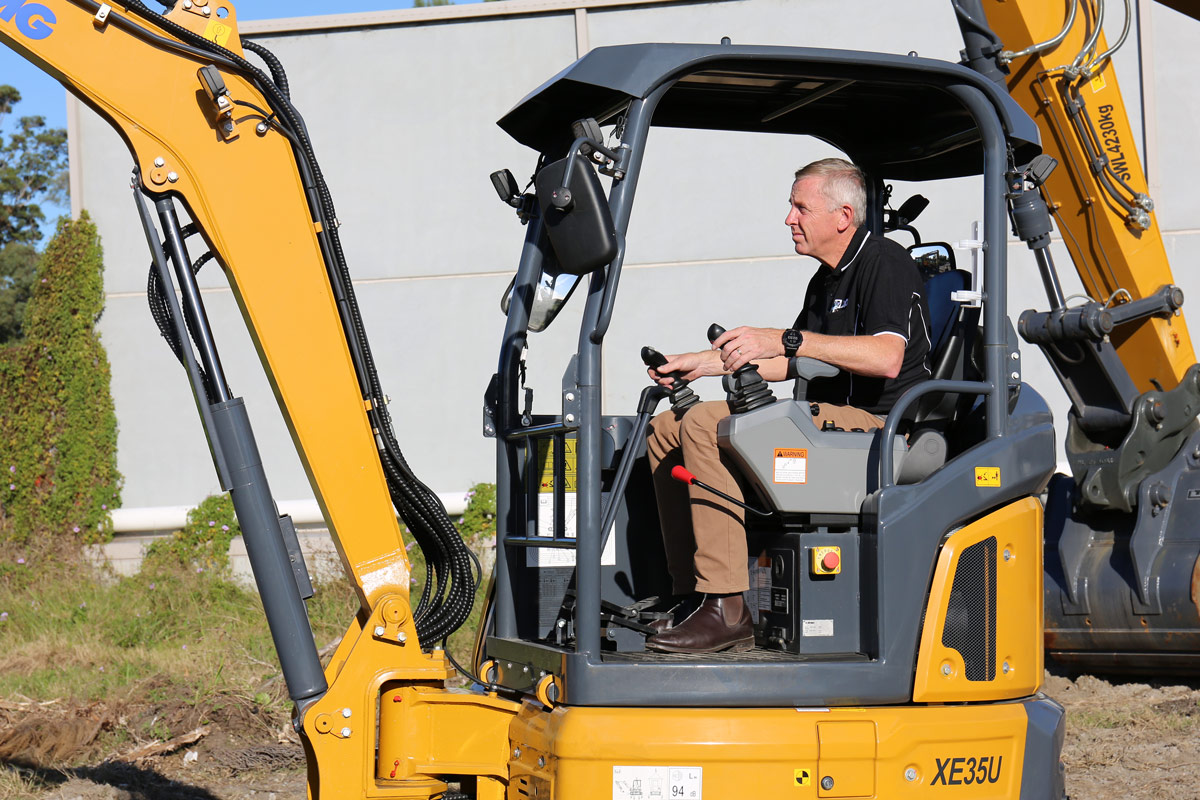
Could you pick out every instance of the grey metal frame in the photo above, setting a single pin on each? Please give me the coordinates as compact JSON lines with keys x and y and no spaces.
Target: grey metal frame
{"x":908,"y":528}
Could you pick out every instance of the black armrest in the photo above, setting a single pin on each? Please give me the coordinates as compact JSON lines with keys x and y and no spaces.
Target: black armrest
{"x":804,"y":369}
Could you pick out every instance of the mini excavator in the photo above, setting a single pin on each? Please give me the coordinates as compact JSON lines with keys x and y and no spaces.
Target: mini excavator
{"x":909,"y":664}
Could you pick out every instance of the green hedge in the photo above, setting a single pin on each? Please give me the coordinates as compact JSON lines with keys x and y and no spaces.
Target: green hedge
{"x":58,"y":429}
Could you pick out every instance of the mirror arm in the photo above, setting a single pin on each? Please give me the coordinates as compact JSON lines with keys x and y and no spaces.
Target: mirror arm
{"x":610,"y":292}
{"x":563,"y":199}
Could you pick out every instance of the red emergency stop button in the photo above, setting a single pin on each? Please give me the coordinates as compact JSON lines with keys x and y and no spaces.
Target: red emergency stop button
{"x":826,"y":560}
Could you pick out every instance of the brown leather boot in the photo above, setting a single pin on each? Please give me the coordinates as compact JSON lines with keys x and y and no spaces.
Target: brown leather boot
{"x":720,"y":623}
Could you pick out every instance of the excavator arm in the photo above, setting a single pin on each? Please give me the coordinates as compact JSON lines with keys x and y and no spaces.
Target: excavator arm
{"x":1099,"y":198}
{"x":1122,"y":549}
{"x":213,"y":134}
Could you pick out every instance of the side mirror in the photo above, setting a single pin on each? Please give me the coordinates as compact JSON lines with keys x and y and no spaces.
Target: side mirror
{"x":578,"y":220}
{"x":554,"y":288}
{"x":932,"y":258}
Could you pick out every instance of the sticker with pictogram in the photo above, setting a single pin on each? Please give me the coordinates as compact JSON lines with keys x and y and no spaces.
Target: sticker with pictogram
{"x":987,"y":476}
{"x":791,"y":465}
{"x":803,"y":777}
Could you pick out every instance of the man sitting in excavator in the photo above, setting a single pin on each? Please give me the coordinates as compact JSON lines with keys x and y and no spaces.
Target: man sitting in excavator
{"x":863,"y":312}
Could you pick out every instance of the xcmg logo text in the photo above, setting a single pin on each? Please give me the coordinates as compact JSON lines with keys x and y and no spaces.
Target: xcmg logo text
{"x":32,"y":20}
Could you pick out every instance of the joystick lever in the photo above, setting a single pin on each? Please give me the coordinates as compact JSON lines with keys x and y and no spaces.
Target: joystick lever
{"x":682,"y":398}
{"x":746,"y":388}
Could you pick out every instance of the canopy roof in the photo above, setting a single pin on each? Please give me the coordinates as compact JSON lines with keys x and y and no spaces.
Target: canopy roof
{"x":893,"y":115}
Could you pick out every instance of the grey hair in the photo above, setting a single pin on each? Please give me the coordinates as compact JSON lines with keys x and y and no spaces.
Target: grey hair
{"x":842,"y":183}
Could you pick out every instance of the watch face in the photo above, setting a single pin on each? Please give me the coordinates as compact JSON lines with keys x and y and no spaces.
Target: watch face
{"x":792,"y":339}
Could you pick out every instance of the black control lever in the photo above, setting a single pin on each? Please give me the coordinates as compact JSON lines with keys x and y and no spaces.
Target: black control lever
{"x":747,"y":389}
{"x":682,"y":398}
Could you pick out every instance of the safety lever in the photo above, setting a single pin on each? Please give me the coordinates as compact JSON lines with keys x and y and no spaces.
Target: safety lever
{"x":681,"y":474}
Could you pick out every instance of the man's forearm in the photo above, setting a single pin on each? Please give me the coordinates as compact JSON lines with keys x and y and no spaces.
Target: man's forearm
{"x":773,"y":369}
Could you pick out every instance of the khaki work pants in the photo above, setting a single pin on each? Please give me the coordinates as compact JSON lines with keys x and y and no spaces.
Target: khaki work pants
{"x":705,"y":535}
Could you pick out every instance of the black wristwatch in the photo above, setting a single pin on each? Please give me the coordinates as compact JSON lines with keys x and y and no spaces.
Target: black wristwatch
{"x":792,"y":339}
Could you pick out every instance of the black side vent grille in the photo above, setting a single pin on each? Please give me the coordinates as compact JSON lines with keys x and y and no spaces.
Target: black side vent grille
{"x":971,"y":616}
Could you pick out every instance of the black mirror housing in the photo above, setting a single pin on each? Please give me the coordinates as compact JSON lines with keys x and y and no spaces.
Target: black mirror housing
{"x":579,"y":224}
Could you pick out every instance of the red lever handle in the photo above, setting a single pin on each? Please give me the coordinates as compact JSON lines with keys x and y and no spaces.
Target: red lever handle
{"x":681,"y":474}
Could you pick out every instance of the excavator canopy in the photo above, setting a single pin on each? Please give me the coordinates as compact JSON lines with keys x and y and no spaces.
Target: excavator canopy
{"x":894,"y":115}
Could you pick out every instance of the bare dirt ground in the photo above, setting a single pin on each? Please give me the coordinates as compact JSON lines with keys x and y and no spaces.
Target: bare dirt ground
{"x":1125,"y":739}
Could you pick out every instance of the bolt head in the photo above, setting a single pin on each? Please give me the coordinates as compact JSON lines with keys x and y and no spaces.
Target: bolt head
{"x":541,"y":761}
{"x":570,"y":417}
{"x":345,"y":733}
{"x":160,"y":162}
{"x":1016,"y":376}
{"x":1015,"y":356}
{"x":261,"y":128}
{"x":380,"y":630}
{"x":1008,"y":555}
{"x":346,"y":713}
{"x":173,"y":177}
{"x":228,"y":127}
{"x":207,"y":11}
{"x":910,"y":774}
{"x":1006,"y":668}
{"x":569,"y":397}
{"x":945,"y":669}
{"x":401,"y":637}
{"x":516,"y":752}
{"x":827,"y":783}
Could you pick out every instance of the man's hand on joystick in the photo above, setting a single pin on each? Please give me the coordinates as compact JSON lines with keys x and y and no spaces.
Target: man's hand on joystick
{"x":742,"y":345}
{"x":682,"y":398}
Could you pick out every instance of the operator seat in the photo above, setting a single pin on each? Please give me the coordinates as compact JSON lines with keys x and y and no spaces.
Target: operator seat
{"x":794,"y":467}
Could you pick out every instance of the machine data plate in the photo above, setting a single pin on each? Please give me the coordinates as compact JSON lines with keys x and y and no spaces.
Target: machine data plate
{"x":657,"y":783}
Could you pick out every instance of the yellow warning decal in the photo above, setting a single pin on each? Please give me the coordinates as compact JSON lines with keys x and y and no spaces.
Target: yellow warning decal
{"x":218,"y":32}
{"x":545,"y":472}
{"x":1098,"y":84}
{"x":987,"y":476}
{"x":803,"y":777}
{"x":791,"y":465}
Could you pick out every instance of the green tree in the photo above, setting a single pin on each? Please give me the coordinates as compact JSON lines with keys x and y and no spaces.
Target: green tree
{"x":58,"y":429}
{"x":33,"y":169}
{"x":18,"y":266}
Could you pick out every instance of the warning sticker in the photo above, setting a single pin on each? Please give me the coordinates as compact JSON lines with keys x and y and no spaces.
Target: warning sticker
{"x":987,"y":476}
{"x":657,"y":783}
{"x":817,"y":627}
{"x":803,"y":777}
{"x":1098,"y":84}
{"x":791,"y":466}
{"x":545,"y":465}
{"x":560,"y":556}
{"x":758,"y":596}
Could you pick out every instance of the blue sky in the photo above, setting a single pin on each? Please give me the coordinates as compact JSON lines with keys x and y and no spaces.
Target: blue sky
{"x":43,"y":96}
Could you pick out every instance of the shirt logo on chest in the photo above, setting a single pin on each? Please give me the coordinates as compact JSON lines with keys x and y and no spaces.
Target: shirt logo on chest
{"x":839,"y":304}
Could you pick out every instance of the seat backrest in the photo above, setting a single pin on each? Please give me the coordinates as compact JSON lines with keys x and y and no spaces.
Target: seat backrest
{"x":953,"y":329}
{"x":943,"y":310}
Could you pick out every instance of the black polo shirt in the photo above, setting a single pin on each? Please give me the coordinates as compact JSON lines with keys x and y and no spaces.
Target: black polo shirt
{"x":875,"y":290}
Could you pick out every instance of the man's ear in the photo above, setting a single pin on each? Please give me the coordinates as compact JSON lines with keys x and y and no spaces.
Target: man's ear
{"x":845,"y":218}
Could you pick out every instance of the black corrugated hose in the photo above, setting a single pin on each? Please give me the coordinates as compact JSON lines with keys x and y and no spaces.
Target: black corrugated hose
{"x":452,"y":571}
